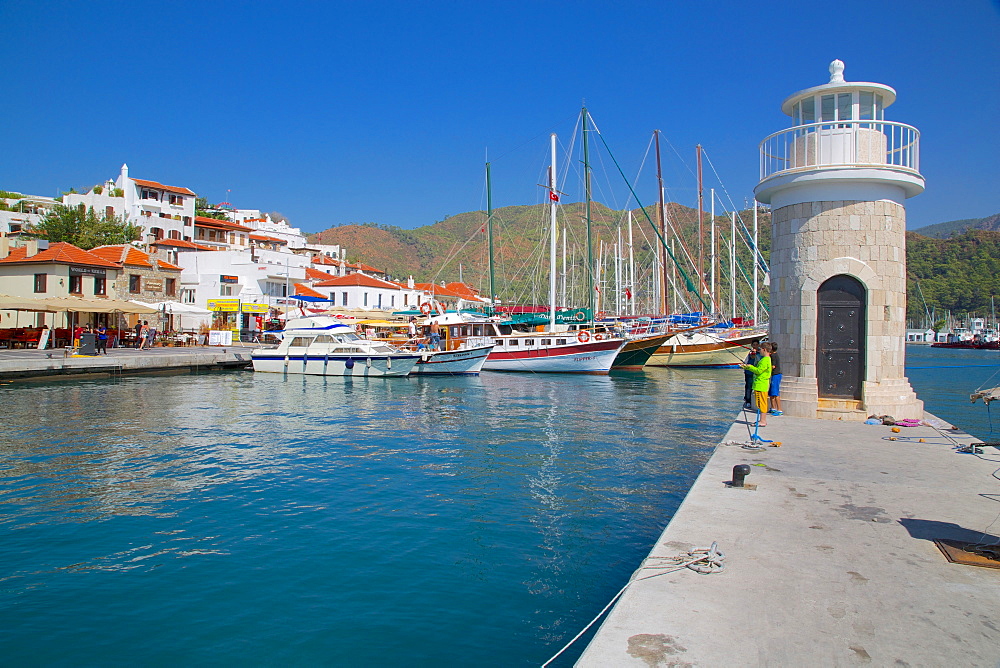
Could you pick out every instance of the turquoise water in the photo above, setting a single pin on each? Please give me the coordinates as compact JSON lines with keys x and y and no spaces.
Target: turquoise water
{"x":242,"y":519}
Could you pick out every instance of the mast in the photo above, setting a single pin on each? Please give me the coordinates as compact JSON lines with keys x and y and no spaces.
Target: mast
{"x":565,"y":303}
{"x":755,"y":288}
{"x":732,"y":264}
{"x":586,"y":187}
{"x":662,"y":254}
{"x":701,"y":227}
{"x":631,"y":268}
{"x":553,"y":200}
{"x":618,"y":274}
{"x":489,"y":227}
{"x":715,"y":307}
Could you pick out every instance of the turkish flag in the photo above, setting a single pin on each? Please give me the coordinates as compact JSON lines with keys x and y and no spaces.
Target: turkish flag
{"x":553,"y":196}
{"x":628,"y":294}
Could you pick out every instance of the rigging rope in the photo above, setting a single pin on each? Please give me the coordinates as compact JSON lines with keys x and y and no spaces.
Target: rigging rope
{"x":706,"y":560}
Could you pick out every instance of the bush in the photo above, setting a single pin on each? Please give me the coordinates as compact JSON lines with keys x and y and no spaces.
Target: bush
{"x":98,"y":190}
{"x":118,"y":192}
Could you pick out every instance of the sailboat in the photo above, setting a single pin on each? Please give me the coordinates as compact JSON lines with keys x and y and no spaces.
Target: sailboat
{"x":551,"y":349}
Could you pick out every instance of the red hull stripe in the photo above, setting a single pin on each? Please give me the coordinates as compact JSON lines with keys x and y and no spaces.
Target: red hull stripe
{"x":560,"y":351}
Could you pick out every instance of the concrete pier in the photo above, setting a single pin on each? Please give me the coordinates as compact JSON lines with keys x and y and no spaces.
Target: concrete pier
{"x":28,"y":364}
{"x":830,"y":558}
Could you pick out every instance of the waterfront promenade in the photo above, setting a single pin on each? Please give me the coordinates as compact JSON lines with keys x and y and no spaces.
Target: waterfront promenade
{"x":830,"y":559}
{"x":55,"y":364}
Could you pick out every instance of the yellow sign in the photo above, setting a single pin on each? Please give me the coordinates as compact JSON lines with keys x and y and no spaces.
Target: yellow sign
{"x":229,"y":305}
{"x":254,"y":308}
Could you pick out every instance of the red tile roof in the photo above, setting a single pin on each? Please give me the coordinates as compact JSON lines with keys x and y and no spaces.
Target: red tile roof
{"x":264,"y":237}
{"x":202,"y":221}
{"x":436,"y":290}
{"x":365,"y":267}
{"x":130,"y":256}
{"x":179,"y":243}
{"x":305,"y":291}
{"x":317,"y":275}
{"x":323,"y":259}
{"x":160,"y":186}
{"x":357,"y":280}
{"x":58,"y":253}
{"x":463,"y":290}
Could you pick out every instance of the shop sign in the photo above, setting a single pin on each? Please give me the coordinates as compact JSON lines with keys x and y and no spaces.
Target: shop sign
{"x":153,"y":284}
{"x":254,"y":308}
{"x":227,"y":305}
{"x":87,"y":271}
{"x":229,"y":279}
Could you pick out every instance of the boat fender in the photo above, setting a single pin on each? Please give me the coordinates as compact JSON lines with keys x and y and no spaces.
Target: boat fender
{"x":368,"y":362}
{"x":388,"y":364}
{"x":425,"y":308}
{"x":349,"y":363}
{"x":583,"y":336}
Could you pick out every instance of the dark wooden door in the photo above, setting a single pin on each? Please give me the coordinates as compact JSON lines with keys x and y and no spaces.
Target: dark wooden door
{"x":840,"y":354}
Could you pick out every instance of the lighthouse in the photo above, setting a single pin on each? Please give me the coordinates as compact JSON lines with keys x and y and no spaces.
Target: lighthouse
{"x":837,"y":181}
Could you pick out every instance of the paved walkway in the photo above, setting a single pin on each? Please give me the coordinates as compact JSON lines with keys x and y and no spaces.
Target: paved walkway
{"x":830,"y":561}
{"x":53,"y":363}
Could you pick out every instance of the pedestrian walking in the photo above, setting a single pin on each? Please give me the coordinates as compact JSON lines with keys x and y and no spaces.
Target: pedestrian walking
{"x":102,"y":339}
{"x":138,"y":334}
{"x":143,"y":335}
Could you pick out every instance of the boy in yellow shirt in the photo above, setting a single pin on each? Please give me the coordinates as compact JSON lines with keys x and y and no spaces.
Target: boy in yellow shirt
{"x":761,"y":382}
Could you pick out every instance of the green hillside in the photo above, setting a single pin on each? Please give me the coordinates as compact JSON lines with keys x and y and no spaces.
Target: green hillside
{"x":458,"y":246}
{"x":951,"y":228}
{"x":959,"y":274}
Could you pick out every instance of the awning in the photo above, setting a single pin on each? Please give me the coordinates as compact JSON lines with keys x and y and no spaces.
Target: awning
{"x":9,"y":303}
{"x":80,"y":305}
{"x":175,"y":307}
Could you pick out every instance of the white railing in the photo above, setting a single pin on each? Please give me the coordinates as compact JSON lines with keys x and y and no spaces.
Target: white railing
{"x":841,"y":144}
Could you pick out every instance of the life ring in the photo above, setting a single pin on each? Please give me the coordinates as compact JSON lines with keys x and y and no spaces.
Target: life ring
{"x":425,"y":308}
{"x":580,"y":316}
{"x":598,"y":337}
{"x":583,"y":336}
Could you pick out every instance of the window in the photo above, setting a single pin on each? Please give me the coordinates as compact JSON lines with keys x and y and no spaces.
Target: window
{"x":40,"y":282}
{"x":392,"y":301}
{"x":100,"y":285}
{"x":300,"y":342}
{"x":380,"y":300}
{"x":133,"y":284}
{"x":187,"y":296}
{"x":177,"y":200}
{"x":498,"y":342}
{"x":149,"y":194}
{"x":226,"y":290}
{"x":174,"y":234}
{"x":512,"y":342}
{"x":76,"y":285}
{"x":164,"y":215}
{"x":827,"y":105}
{"x":866,"y":105}
{"x":529,"y":342}
{"x":809,"y":110}
{"x":171,"y":286}
{"x":845,"y":107}
{"x":109,"y":211}
{"x":560,"y":342}
{"x":344,"y":295}
{"x":546,"y":342}
{"x":187,"y":220}
{"x":365,"y":303}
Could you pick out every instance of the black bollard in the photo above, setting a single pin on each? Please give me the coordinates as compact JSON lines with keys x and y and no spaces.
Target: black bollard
{"x":740,"y":472}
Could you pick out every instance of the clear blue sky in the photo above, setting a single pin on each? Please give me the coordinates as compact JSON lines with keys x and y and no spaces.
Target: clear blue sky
{"x":336,"y":112}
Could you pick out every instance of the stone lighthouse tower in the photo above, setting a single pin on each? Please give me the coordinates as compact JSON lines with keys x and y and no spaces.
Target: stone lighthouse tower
{"x":836,"y":181}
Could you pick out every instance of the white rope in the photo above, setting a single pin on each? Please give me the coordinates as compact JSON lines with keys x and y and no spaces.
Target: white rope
{"x":705,"y":560}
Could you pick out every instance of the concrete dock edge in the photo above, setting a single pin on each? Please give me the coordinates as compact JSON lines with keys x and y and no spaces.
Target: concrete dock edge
{"x":830,"y":558}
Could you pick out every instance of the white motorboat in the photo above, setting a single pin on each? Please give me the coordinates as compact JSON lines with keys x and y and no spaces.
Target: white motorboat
{"x":325,"y":346}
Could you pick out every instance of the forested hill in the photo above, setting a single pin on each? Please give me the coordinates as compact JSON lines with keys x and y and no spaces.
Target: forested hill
{"x":959,"y":274}
{"x":437,"y":252}
{"x":951,"y":228}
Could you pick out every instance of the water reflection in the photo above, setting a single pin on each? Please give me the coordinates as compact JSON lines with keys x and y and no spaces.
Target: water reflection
{"x":539,"y":491}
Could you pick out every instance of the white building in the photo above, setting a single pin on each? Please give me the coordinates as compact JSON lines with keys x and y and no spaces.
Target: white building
{"x":164,"y":212}
{"x":263,"y":223}
{"x":262,"y":277}
{"x":23,"y":211}
{"x":359,"y":290}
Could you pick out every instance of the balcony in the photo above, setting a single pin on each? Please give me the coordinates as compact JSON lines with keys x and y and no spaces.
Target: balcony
{"x":841,"y":145}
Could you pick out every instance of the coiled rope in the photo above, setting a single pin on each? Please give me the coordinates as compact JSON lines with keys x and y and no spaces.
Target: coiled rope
{"x":705,"y":560}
